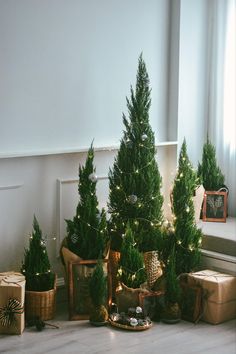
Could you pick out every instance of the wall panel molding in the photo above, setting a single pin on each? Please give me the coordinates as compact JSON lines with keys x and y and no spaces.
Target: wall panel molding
{"x":11,"y":186}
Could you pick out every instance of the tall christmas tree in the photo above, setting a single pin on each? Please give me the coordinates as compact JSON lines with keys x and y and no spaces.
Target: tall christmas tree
{"x":135,"y":180}
{"x":87,"y":232}
{"x":36,"y":266}
{"x":209,"y":172}
{"x":187,"y":235}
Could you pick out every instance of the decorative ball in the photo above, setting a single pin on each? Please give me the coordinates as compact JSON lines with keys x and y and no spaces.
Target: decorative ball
{"x":132,"y":199}
{"x":139,"y":309}
{"x":93,"y":178}
{"x":133,"y":321}
{"x":144,"y":137}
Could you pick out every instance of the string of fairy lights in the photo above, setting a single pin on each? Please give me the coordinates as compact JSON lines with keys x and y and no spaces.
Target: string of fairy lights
{"x":133,"y":273}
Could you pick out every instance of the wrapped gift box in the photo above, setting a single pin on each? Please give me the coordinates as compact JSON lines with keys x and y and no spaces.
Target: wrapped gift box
{"x":12,"y":286}
{"x":219,"y":303}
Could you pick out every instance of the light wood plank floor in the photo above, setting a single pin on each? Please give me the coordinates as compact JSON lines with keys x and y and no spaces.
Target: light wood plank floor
{"x":81,"y":338}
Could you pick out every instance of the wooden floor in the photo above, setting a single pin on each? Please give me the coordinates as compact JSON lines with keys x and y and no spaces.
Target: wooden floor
{"x":81,"y":338}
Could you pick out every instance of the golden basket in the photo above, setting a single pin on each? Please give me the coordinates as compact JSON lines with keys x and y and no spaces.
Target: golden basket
{"x":40,"y":304}
{"x":152,"y":266}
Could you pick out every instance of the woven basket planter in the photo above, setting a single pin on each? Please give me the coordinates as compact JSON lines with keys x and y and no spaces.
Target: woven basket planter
{"x":114,"y":258}
{"x":152,"y":266}
{"x":40,"y":304}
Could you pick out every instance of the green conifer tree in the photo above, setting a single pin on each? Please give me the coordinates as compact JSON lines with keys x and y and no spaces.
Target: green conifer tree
{"x":135,"y":180}
{"x":172,"y":293}
{"x":98,"y":294}
{"x":131,"y":270}
{"x":87,"y":232}
{"x":208,"y":171}
{"x":36,"y":266}
{"x":187,"y":235}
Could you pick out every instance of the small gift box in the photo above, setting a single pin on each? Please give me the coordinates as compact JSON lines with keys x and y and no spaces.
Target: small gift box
{"x":219,"y":289}
{"x":12,"y":294}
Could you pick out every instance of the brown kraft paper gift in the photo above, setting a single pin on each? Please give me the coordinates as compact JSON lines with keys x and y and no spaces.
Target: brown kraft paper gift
{"x":219,"y":302}
{"x":12,"y":286}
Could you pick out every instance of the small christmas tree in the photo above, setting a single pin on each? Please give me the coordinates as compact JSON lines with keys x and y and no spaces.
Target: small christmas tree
{"x":135,"y":180}
{"x":172,"y":293}
{"x":208,"y":171}
{"x":36,"y":266}
{"x":98,"y":293}
{"x":131,"y":270}
{"x":87,"y":232}
{"x":187,"y":235}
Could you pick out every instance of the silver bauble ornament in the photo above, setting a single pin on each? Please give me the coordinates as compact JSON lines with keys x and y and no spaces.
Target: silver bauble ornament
{"x":132,"y":199}
{"x":133,"y":322}
{"x":144,"y":137}
{"x":93,"y":178}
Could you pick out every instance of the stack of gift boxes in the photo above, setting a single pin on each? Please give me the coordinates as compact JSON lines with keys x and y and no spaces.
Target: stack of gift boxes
{"x":12,"y":297}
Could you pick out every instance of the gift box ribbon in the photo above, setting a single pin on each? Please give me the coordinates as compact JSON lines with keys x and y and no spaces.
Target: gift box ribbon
{"x":11,"y":278}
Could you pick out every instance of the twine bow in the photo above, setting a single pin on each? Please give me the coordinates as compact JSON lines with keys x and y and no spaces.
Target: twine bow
{"x":8,"y":312}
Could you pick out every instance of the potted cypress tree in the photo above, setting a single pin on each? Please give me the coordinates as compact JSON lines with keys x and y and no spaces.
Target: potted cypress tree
{"x":131,"y":272}
{"x":98,"y":294}
{"x":187,"y":235}
{"x":135,"y":181}
{"x":171,"y":312}
{"x":87,"y":236}
{"x":40,"y":280}
{"x":209,"y":171}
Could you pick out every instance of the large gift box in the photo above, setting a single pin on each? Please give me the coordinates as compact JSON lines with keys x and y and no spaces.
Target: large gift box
{"x":219,"y":289}
{"x":12,"y":295}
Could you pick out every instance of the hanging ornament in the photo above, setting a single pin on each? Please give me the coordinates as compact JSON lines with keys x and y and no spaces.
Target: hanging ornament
{"x":43,"y":242}
{"x":74,"y":238}
{"x":93,"y":178}
{"x":132,"y":199}
{"x":144,"y":137}
{"x":138,"y":309}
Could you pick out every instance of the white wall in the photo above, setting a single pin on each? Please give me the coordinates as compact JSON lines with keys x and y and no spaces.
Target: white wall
{"x":66,"y":67}
{"x":193,"y":76}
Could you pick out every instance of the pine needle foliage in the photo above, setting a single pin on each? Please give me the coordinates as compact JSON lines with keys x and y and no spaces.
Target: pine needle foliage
{"x":36,"y":266}
{"x":87,"y":234}
{"x":187,"y":235}
{"x":98,"y":285}
{"x":135,"y":180}
{"x":172,"y":293}
{"x":131,"y":270}
{"x":208,"y":171}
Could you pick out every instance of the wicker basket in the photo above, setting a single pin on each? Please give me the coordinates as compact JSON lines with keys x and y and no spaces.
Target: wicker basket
{"x":40,"y":304}
{"x":114,"y":258}
{"x":152,"y":266}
